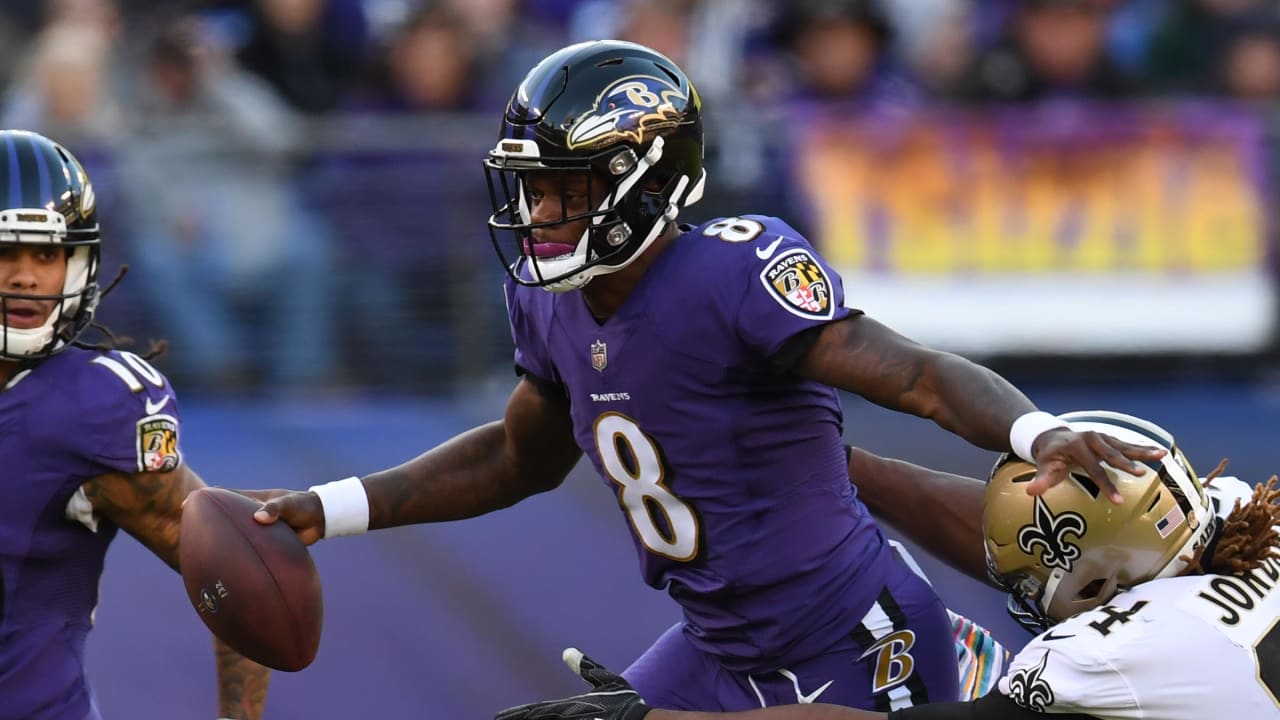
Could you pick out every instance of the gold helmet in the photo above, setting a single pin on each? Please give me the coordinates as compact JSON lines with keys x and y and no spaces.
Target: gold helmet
{"x":1072,"y":549}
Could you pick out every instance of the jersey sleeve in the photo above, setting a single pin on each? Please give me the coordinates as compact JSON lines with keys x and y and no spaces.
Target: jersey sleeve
{"x":1061,"y":673}
{"x":1225,"y":491}
{"x":532,"y":356}
{"x":125,"y":416}
{"x":789,"y":288}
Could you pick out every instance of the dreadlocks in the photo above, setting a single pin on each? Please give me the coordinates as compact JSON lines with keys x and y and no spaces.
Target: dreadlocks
{"x":1248,"y":536}
{"x":114,"y":341}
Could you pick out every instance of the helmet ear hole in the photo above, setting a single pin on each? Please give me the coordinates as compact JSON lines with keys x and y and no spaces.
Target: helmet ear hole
{"x":1091,"y":590}
{"x":1155,"y":501}
{"x":1087,"y":484}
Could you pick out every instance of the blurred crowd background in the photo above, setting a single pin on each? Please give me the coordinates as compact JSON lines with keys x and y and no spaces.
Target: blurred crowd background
{"x":1069,"y":190}
{"x":296,"y":184}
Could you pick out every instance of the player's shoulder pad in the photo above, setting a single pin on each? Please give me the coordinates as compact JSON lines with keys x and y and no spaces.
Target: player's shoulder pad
{"x":95,"y":380}
{"x":111,"y":406}
{"x":762,"y":254}
{"x":750,"y":239}
{"x":1225,"y":491}
{"x":151,"y":408}
{"x":1080,"y":664}
{"x":119,"y":386}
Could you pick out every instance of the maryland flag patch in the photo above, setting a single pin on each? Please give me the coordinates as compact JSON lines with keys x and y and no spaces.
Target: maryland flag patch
{"x":799,"y":284}
{"x":158,"y":444}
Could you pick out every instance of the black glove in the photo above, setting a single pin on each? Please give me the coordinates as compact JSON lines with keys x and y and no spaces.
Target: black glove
{"x":611,"y":697}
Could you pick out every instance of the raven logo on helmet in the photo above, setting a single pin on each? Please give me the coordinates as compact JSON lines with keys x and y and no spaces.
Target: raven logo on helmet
{"x":631,"y":108}
{"x":1050,"y":532}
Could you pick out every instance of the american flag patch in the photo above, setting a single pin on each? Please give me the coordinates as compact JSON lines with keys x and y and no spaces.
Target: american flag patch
{"x":1171,"y":521}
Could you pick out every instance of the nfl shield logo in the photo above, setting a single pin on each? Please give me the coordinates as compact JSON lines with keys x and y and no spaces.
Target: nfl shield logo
{"x":599,"y":355}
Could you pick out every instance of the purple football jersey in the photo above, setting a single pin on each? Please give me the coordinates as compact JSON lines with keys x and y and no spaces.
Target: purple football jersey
{"x":72,"y":417}
{"x":731,"y":474}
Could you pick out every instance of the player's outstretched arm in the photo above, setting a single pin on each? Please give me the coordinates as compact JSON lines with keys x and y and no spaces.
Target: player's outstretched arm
{"x":863,"y":356}
{"x":494,"y":466}
{"x":490,"y":467}
{"x":940,"y":512}
{"x":148,"y":506}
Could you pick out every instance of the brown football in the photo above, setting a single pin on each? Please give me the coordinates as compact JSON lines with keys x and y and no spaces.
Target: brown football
{"x":255,"y":586}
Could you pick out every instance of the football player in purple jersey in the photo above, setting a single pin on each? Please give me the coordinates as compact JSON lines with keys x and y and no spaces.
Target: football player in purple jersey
{"x":89,"y":443}
{"x":1115,"y":594}
{"x":697,"y":367}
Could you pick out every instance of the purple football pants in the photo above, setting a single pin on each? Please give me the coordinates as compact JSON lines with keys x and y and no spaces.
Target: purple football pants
{"x":901,"y":654}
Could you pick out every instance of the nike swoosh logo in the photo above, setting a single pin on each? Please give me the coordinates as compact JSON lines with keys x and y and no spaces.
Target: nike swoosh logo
{"x":807,"y":699}
{"x":801,"y":698}
{"x":766,"y":252}
{"x":153,"y":408}
{"x":1050,"y":637}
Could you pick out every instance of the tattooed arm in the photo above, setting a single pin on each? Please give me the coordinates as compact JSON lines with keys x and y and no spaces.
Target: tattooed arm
{"x":487,"y":468}
{"x":863,"y":356}
{"x":148,"y":506}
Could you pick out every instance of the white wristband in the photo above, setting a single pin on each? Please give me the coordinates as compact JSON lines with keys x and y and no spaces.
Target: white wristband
{"x":346,"y":507}
{"x":1028,"y":427}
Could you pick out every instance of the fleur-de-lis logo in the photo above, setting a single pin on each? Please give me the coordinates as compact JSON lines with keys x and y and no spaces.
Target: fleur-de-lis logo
{"x":1049,"y":532}
{"x":1029,"y":690}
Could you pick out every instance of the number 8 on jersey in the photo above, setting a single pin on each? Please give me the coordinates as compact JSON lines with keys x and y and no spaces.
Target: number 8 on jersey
{"x":632,"y":460}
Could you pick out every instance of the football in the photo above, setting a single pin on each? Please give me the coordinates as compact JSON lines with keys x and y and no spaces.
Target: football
{"x":255,"y":586}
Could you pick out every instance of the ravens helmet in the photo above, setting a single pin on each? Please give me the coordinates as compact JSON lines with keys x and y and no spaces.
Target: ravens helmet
{"x":618,"y":111}
{"x":1072,"y":548}
{"x":46,"y":198}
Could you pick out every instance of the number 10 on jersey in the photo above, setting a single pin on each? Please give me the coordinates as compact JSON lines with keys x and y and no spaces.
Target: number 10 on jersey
{"x":632,"y":461}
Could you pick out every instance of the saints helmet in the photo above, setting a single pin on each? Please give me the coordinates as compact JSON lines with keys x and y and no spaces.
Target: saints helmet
{"x":612,"y":109}
{"x":1072,"y":548}
{"x":46,"y":198}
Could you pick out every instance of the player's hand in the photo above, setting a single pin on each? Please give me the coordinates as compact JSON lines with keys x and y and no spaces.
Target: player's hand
{"x":301,"y":511}
{"x":1057,"y":451}
{"x":611,"y":697}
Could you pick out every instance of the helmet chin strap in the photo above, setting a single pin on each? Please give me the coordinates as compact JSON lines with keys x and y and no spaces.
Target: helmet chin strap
{"x":25,"y":342}
{"x":580,"y":280}
{"x":580,"y":253}
{"x":679,"y":199}
{"x":1051,"y":589}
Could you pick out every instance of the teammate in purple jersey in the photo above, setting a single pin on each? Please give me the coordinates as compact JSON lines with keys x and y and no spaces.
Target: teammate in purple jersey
{"x":89,"y":443}
{"x":697,"y":368}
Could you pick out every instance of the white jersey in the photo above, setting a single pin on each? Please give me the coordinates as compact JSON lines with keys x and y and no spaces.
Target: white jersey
{"x":1184,"y":648}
